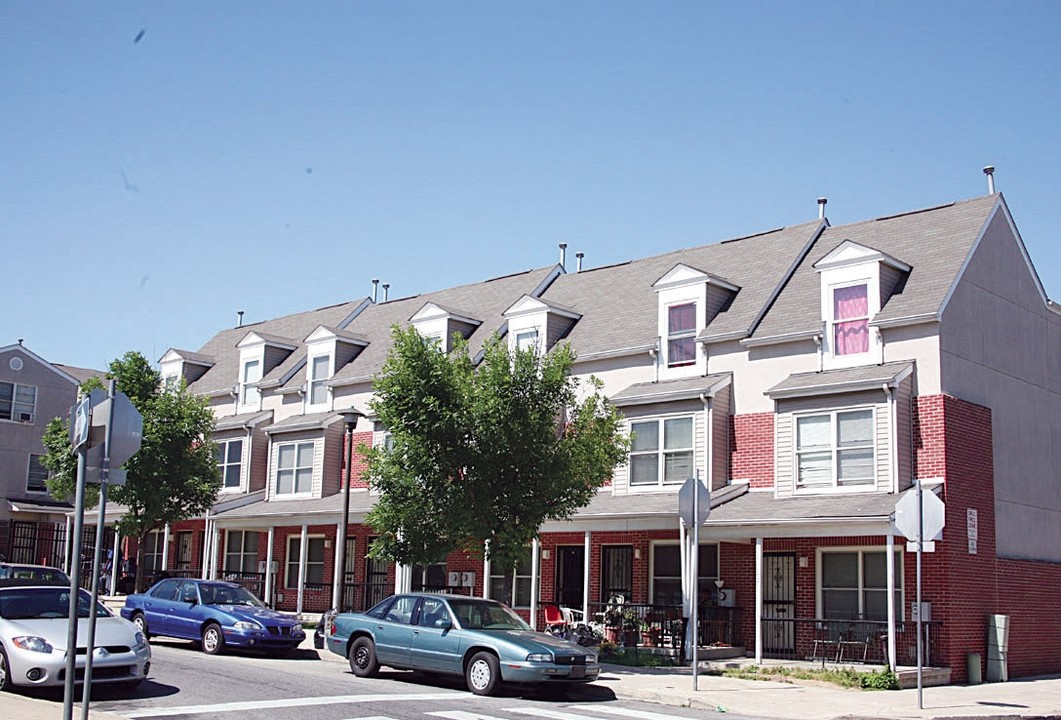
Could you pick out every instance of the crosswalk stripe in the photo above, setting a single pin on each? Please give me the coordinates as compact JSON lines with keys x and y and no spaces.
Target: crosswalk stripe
{"x":462,"y":715}
{"x":639,"y":714}
{"x":556,"y":714}
{"x":373,"y":717}
{"x":283,"y":703}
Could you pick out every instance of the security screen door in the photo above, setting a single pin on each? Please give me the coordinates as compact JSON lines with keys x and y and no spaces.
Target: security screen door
{"x":779,"y":602}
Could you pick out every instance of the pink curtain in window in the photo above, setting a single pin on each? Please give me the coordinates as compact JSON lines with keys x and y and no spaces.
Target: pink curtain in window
{"x":681,"y":318}
{"x":850,"y":336}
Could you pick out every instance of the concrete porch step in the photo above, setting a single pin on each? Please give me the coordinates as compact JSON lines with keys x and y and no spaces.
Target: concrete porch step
{"x":930,"y":677}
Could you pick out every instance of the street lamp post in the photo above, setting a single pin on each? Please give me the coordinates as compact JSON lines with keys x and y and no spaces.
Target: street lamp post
{"x":350,"y":417}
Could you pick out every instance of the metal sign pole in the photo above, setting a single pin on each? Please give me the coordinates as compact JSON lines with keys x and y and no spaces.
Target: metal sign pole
{"x":920,"y":543}
{"x":75,"y":571}
{"x":695,"y":562}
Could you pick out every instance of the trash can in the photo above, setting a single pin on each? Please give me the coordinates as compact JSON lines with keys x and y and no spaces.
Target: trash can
{"x":972,"y":669}
{"x":997,"y":648}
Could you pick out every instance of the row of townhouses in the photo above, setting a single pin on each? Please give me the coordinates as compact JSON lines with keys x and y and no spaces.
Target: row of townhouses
{"x":812,"y":375}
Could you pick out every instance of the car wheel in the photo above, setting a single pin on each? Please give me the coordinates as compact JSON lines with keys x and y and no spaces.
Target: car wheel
{"x":5,"y":672}
{"x":362,"y":658}
{"x":140,"y":621}
{"x":213,"y":639}
{"x":483,"y":673}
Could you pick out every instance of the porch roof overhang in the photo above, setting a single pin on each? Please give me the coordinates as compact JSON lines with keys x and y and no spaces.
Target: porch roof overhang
{"x":263,"y":513}
{"x":296,"y":423}
{"x":246,"y":420}
{"x":671,"y":390}
{"x":846,"y":380}
{"x":43,"y":507}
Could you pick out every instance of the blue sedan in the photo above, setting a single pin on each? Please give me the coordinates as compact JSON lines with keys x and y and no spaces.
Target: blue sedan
{"x":217,"y":614}
{"x":482,"y":640}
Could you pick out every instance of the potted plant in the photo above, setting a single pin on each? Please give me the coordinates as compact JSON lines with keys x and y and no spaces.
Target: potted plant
{"x":631,"y":628}
{"x":649,"y":634}
{"x":613,"y":618}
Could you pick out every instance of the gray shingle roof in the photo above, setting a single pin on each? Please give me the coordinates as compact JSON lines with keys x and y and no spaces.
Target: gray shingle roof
{"x":232,"y":422}
{"x":868,"y":377}
{"x":670,"y":390}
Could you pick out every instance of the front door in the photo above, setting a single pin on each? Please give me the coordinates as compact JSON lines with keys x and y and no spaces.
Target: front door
{"x":779,"y":602}
{"x":570,"y":575}
{"x":184,"y":551}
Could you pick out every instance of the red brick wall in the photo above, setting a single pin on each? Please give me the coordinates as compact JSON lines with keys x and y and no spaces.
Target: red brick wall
{"x":360,"y":462}
{"x":752,"y":454}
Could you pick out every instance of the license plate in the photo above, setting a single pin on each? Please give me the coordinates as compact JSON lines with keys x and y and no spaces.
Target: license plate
{"x":578,"y":671}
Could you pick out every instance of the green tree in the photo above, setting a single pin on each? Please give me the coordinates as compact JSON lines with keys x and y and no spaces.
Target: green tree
{"x":172,"y":477}
{"x":484,"y":452}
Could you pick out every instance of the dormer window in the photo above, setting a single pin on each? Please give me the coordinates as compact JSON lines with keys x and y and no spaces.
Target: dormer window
{"x":850,"y":331}
{"x":320,"y":369}
{"x":527,"y":340}
{"x":681,"y":335}
{"x":252,"y":373}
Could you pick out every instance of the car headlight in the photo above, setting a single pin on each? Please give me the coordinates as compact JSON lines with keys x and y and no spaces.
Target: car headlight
{"x":540,"y":657}
{"x":247,"y":625}
{"x":141,"y":642}
{"x":32,"y":643}
{"x":297,"y":630}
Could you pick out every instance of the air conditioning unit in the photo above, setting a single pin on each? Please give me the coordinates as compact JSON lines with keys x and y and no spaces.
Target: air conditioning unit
{"x":25,"y":417}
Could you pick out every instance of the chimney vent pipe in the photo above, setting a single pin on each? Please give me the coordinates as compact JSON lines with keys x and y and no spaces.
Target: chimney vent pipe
{"x":563,"y":255}
{"x":990,"y":172}
{"x":239,"y":318}
{"x":386,"y":291}
{"x":578,"y":256}
{"x":821,"y":207}
{"x":375,"y":289}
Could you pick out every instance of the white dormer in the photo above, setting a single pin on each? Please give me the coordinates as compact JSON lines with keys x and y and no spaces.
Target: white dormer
{"x":440,"y":323}
{"x":327,"y":350}
{"x":258,"y":354}
{"x":856,"y":282}
{"x":534,"y":323}
{"x":687,"y":300}
{"x":176,"y":365}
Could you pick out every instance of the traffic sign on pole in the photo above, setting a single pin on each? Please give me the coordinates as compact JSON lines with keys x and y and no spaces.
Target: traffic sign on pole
{"x":933,"y":512}
{"x":126,"y":427}
{"x":694,"y":510}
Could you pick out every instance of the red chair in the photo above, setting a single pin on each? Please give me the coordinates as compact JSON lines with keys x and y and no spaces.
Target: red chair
{"x":555,"y":621}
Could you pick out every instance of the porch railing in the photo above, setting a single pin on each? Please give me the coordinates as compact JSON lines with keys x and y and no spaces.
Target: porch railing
{"x":847,"y":641}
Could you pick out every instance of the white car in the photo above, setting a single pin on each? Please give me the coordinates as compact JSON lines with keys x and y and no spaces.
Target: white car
{"x":33,"y":636}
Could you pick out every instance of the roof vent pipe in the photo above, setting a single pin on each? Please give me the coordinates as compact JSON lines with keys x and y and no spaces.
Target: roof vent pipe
{"x":578,"y":256}
{"x":375,"y":288}
{"x":563,"y":255}
{"x":239,"y":318}
{"x":990,"y":172}
{"x":821,"y":207}
{"x":386,"y":291}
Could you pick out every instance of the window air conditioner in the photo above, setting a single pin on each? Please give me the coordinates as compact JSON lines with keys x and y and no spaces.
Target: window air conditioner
{"x":25,"y":417}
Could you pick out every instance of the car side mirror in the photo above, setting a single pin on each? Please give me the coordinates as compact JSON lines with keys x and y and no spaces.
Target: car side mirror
{"x":191,"y":599}
{"x":444,"y":623}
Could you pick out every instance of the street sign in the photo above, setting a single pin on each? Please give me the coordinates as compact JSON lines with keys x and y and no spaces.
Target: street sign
{"x":81,"y":416}
{"x":126,"y":426}
{"x":933,"y":512}
{"x":685,"y":502}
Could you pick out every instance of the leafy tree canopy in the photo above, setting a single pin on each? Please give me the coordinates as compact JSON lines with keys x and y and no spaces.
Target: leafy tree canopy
{"x":172,"y":477}
{"x":484,"y":453}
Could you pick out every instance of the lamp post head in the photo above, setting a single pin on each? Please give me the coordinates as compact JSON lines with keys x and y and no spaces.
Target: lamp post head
{"x":350,"y":417}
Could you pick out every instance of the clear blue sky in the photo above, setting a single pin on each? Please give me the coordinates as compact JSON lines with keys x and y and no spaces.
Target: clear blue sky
{"x":167,"y":164}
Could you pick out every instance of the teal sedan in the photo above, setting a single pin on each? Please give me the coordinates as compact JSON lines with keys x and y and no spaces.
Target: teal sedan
{"x":482,"y":640}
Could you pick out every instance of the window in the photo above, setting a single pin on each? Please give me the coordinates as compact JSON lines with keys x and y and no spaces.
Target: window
{"x":252,"y":373}
{"x":854,"y":585}
{"x":319,"y":370}
{"x":314,"y":560}
{"x":154,"y":544}
{"x":401,"y":610}
{"x":667,"y":573}
{"x":294,"y":468}
{"x":166,"y":590}
{"x":36,"y":478}
{"x":681,"y":335}
{"x":433,"y":612}
{"x":514,"y":586}
{"x":17,"y":402}
{"x":617,"y":571}
{"x":835,"y":449}
{"x":230,"y":463}
{"x":429,"y":578}
{"x":241,"y":551}
{"x":527,"y":340}
{"x":654,"y":463}
{"x":171,"y":382}
{"x":850,"y":320}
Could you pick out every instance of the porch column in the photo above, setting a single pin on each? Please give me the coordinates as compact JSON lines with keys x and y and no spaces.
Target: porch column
{"x":206,"y":547}
{"x":69,"y":544}
{"x":758,"y":601}
{"x":115,"y":562}
{"x":214,"y":545}
{"x":303,"y":555}
{"x":686,"y":585}
{"x":536,"y":551}
{"x":268,"y":568}
{"x":339,"y":575}
{"x":486,"y":569}
{"x":165,"y":549}
{"x":585,"y":578}
{"x":891,"y":599}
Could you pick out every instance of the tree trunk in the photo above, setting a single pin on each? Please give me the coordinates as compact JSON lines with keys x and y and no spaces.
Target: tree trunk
{"x":141,"y":537}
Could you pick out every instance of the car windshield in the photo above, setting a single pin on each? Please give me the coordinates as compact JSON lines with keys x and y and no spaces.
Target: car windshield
{"x":44,"y":603}
{"x":477,"y":615}
{"x":227,"y":595}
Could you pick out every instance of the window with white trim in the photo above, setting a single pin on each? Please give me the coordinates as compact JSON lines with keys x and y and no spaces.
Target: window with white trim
{"x":661,"y":452}
{"x":667,"y":572}
{"x":37,"y":477}
{"x":230,"y":463}
{"x":681,"y":335}
{"x":320,"y":368}
{"x":854,"y":584}
{"x":154,"y":547}
{"x":527,"y":340}
{"x":835,"y":449}
{"x":252,"y":373}
{"x":17,"y":402}
{"x":314,"y":560}
{"x":850,"y":315}
{"x":241,"y":551}
{"x":514,"y":586}
{"x":294,"y":468}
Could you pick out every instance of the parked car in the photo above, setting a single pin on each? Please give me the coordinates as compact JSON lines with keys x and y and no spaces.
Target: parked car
{"x":217,"y":614}
{"x":45,"y":573}
{"x":483,"y":640}
{"x":33,"y":637}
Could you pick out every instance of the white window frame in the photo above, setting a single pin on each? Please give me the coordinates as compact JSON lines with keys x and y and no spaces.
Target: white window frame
{"x":900,"y":591}
{"x":29,"y":472}
{"x":249,"y":395}
{"x":661,"y":452}
{"x":515,"y":578}
{"x":223,"y":463}
{"x":22,"y":411}
{"x":527,"y":340}
{"x":681,"y":334}
{"x":317,"y":383}
{"x":154,"y":549}
{"x":291,"y":560}
{"x":706,"y":583}
{"x":834,"y":449}
{"x":294,"y":492}
{"x":833,"y":321}
{"x":242,"y":553}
